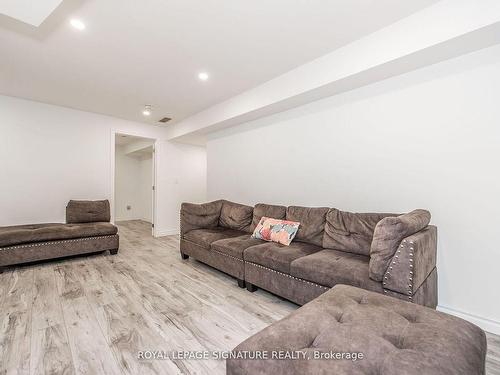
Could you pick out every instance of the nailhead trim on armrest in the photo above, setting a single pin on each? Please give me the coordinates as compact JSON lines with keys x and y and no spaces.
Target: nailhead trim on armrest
{"x":396,"y":262}
{"x":180,"y":224}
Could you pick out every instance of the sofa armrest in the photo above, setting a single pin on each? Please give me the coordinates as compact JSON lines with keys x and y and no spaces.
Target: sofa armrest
{"x":413,"y":262}
{"x":199,"y":216}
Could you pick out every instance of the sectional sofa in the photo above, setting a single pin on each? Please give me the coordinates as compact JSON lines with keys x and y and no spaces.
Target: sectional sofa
{"x":87,"y":230}
{"x":392,"y":254}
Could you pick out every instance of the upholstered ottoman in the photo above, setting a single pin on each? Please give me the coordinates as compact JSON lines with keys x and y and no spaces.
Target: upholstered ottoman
{"x":352,"y":331}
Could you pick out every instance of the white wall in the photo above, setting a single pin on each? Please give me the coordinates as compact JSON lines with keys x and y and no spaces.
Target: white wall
{"x":51,"y":154}
{"x":184,"y":179}
{"x":126,"y":185}
{"x":133,"y":184}
{"x":427,"y":139}
{"x":145,"y":192}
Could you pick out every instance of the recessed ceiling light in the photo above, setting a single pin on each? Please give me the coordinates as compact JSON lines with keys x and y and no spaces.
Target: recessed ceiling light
{"x":203,"y":76}
{"x":147,"y":110}
{"x":77,"y":24}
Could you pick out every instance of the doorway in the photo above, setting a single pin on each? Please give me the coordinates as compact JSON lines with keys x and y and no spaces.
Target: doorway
{"x":134,"y":181}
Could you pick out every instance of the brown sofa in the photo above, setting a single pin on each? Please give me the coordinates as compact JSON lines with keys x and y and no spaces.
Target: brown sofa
{"x":393,"y":337}
{"x":385,"y":253}
{"x":87,"y":230}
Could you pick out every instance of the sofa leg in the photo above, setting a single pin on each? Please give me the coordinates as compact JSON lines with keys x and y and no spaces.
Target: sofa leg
{"x":113,"y":252}
{"x":184,"y":256}
{"x":250,"y":287}
{"x":2,"y":269}
{"x":241,"y":283}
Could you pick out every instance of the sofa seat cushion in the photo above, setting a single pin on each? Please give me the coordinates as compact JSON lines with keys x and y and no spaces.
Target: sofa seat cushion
{"x":205,"y":237}
{"x":235,"y":246}
{"x":278,"y":257}
{"x":332,"y":267}
{"x":22,"y":234}
{"x":395,"y":337}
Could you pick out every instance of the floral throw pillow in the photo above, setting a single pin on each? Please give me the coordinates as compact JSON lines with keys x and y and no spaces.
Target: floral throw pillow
{"x":275,"y":230}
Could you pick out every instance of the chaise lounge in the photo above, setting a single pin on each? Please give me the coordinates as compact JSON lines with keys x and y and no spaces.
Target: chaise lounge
{"x":385,"y":253}
{"x":87,"y":230}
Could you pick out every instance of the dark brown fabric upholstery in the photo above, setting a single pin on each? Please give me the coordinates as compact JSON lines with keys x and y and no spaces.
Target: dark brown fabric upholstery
{"x":276,"y":256}
{"x":312,"y":223}
{"x":88,"y":231}
{"x":395,"y":338}
{"x":425,"y":295}
{"x":413,"y":262}
{"x":21,"y":234}
{"x":200,"y":253}
{"x":332,"y":267}
{"x":351,"y":232}
{"x":236,"y":216}
{"x":9,"y":234}
{"x":388,"y":235}
{"x":200,"y":216}
{"x":331,"y":248}
{"x":205,"y":237}
{"x":267,"y":210}
{"x":282,"y":284}
{"x":87,"y":211}
{"x":223,"y":262}
{"x":56,"y":249}
{"x":235,"y":246}
{"x":302,"y":291}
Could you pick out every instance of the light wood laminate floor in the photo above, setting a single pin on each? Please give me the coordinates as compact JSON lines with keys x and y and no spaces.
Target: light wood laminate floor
{"x":92,"y":314}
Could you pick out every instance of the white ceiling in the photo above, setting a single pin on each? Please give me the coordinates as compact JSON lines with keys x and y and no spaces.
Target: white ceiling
{"x":28,"y":11}
{"x":135,"y":53}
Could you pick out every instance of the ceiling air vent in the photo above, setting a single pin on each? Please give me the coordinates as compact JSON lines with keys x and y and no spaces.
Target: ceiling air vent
{"x":165,"y":119}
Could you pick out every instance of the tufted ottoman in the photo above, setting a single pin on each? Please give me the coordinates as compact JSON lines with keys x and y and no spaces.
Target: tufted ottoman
{"x":374,"y":334}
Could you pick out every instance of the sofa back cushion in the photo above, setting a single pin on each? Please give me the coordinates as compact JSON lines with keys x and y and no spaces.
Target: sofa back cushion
{"x":87,"y":211}
{"x":388,"y":235}
{"x":349,"y":231}
{"x":236,"y":216}
{"x":267,"y":210}
{"x":196,"y":216}
{"x":312,"y":223}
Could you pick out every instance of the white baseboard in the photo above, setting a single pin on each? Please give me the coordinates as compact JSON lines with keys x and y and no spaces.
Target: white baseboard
{"x":132,"y":219}
{"x":166,"y":232}
{"x":126,"y":218}
{"x":491,"y":326}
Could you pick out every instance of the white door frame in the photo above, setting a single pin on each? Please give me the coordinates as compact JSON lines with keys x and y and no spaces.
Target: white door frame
{"x":156,"y":146}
